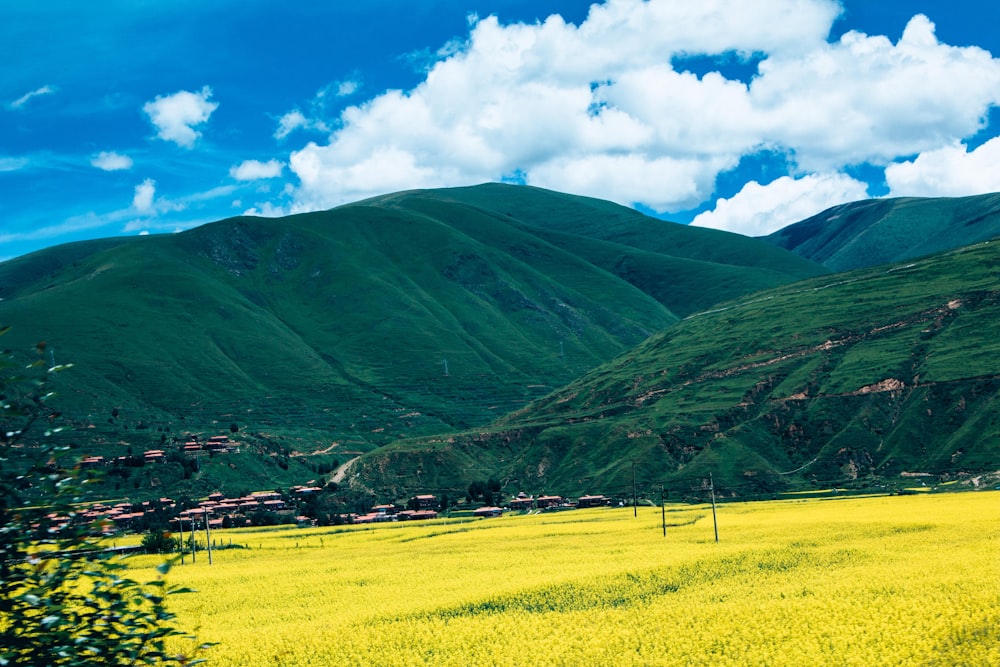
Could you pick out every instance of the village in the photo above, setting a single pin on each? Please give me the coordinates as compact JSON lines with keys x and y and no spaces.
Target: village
{"x":217,"y":511}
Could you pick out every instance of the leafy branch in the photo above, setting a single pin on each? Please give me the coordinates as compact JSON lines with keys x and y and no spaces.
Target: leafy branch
{"x":65,"y":599}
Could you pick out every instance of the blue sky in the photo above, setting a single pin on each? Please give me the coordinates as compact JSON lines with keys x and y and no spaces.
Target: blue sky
{"x":137,"y":117}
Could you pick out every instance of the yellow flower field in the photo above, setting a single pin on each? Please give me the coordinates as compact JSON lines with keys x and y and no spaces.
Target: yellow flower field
{"x":908,"y":580}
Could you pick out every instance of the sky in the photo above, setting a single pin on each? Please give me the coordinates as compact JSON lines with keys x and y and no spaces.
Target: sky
{"x":134,"y":117}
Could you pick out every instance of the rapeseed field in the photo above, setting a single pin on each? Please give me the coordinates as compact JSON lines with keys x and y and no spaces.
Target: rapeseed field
{"x":903,"y":580}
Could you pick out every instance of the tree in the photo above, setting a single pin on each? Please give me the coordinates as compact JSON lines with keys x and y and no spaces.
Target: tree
{"x":64,"y":599}
{"x":476,"y":490}
{"x":159,"y":542}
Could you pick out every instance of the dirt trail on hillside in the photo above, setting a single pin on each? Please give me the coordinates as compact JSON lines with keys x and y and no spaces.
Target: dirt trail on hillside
{"x":341,"y":472}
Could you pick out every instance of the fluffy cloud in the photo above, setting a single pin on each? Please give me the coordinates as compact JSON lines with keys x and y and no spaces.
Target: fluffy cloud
{"x":142,"y":201}
{"x":252,"y":170}
{"x":111,"y":161}
{"x":758,"y":210}
{"x":290,"y":122}
{"x":175,"y":116}
{"x":296,"y":120}
{"x":604,"y":108}
{"x":952,"y":171}
{"x":866,"y":99}
{"x":24,"y":99}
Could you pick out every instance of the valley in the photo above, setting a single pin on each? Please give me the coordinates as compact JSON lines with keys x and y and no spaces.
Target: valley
{"x":435,"y":338}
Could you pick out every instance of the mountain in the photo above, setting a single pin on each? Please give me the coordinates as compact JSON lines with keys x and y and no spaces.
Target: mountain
{"x":879,"y":231}
{"x":340,"y":331}
{"x":686,"y":268}
{"x":855,"y":378}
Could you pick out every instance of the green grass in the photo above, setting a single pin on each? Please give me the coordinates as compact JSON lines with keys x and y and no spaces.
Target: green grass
{"x":332,"y":332}
{"x":336,"y":327}
{"x":846,"y":379}
{"x":880,"y":231}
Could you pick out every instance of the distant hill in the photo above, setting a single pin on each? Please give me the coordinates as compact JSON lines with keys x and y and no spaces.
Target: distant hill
{"x":879,"y":231}
{"x":340,"y":331}
{"x":853,"y":379}
{"x":686,"y":268}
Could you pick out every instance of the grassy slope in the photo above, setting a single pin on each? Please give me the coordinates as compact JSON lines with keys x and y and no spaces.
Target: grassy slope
{"x":880,"y":231}
{"x":335,"y":327}
{"x":286,"y":323}
{"x":687,"y":268}
{"x":873,"y":372}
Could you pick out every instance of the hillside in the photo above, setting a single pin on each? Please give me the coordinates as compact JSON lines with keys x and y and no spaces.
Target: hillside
{"x":340,"y":331}
{"x":880,"y":231}
{"x":686,"y":268}
{"x":847,"y":379}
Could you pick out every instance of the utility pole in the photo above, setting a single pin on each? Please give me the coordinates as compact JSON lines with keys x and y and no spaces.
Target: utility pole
{"x":194,"y":547}
{"x":635,"y":500}
{"x":181,"y":522}
{"x":208,"y":538}
{"x":714,"y":521}
{"x":663,"y":511}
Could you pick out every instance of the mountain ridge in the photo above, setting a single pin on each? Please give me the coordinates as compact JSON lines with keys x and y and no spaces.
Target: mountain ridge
{"x":466,"y":333}
{"x":395,"y":317}
{"x":863,"y":377}
{"x":880,"y":231}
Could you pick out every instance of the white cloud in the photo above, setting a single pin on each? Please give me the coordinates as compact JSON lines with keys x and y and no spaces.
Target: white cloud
{"x":599,"y":109}
{"x":951,"y":171}
{"x":266,"y":210}
{"x":146,"y":203}
{"x":347,"y":87}
{"x":156,"y":227}
{"x":142,"y":201}
{"x":24,"y":99}
{"x":296,"y":120}
{"x":111,"y":161}
{"x":252,"y":170}
{"x":317,"y":109}
{"x":866,"y":99}
{"x":758,"y":210}
{"x":175,"y":116}
{"x":13,"y":163}
{"x":658,"y":183}
{"x":71,"y":225}
{"x":290,"y":122}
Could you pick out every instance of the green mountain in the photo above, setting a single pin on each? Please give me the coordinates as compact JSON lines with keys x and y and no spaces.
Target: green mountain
{"x":854,"y":378}
{"x":337,"y":332}
{"x":879,"y":231}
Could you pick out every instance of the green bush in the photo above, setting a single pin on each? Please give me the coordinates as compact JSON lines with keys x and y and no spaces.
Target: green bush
{"x":64,"y":598}
{"x":159,"y":542}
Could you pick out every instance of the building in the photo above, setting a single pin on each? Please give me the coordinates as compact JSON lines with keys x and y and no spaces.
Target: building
{"x":487,"y":512}
{"x":522,"y":502}
{"x":425,"y":501}
{"x":592,"y":501}
{"x":541,"y":502}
